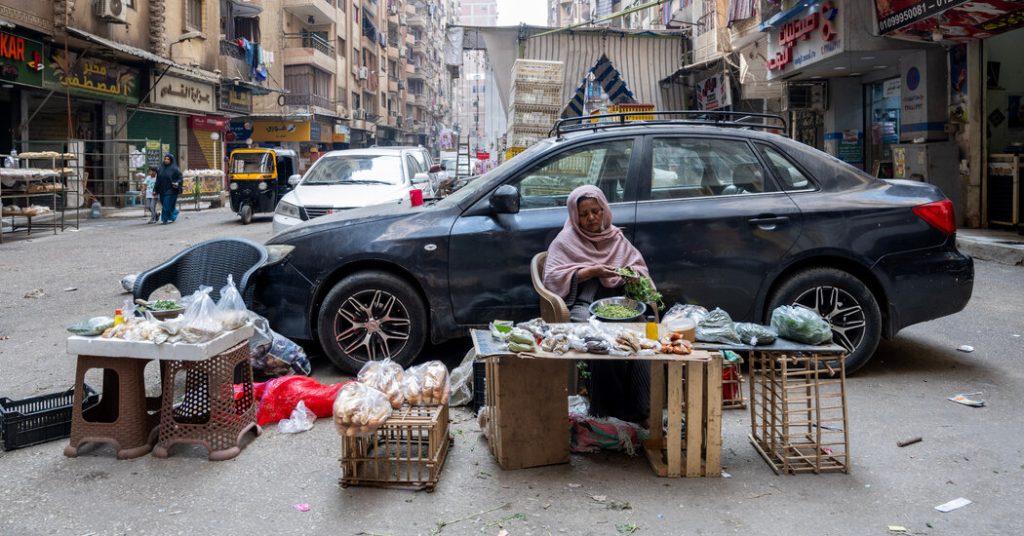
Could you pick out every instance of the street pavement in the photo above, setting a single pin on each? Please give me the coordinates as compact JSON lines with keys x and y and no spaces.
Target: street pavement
{"x":974,"y":453}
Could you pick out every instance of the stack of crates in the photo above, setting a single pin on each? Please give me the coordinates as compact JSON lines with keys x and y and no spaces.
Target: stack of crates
{"x":535,"y":101}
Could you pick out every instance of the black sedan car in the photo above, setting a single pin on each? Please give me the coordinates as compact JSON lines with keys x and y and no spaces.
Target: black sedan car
{"x":725,"y":217}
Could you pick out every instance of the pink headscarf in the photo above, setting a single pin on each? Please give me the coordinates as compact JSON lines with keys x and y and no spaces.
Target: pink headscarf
{"x":574,"y":248}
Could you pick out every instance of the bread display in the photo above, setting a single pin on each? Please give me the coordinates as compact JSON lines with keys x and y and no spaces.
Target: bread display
{"x":426,"y":384}
{"x":386,"y":377}
{"x":360,"y":410}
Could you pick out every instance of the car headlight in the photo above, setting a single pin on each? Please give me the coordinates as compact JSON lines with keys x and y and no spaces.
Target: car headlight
{"x":233,"y":186}
{"x":262,"y":185}
{"x":288,"y":210}
{"x":277,"y":253}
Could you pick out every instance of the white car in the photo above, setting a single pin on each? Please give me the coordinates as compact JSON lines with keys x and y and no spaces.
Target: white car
{"x":356,"y":178}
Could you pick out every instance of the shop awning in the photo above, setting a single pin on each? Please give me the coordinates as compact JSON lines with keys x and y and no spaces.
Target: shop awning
{"x":801,"y":8}
{"x":122,"y":48}
{"x":256,"y":89}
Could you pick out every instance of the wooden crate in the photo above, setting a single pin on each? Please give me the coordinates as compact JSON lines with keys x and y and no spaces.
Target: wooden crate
{"x":528,"y":401}
{"x":732,"y":386}
{"x":699,"y":453}
{"x":798,"y":412}
{"x":408,"y":451}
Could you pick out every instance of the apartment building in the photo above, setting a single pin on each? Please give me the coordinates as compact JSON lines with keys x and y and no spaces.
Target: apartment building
{"x":481,"y":118}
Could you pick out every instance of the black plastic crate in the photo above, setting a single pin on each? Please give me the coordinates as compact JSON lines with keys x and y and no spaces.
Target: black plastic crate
{"x":39,"y":419}
{"x":479,"y":385}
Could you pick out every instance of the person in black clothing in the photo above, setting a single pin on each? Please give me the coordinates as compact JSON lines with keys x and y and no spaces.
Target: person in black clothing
{"x":168,"y":186}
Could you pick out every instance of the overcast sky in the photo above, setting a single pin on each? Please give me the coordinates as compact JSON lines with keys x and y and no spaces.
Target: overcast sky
{"x":513,"y":12}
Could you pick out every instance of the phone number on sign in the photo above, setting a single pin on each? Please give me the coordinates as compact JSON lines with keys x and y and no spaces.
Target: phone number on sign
{"x":901,"y":18}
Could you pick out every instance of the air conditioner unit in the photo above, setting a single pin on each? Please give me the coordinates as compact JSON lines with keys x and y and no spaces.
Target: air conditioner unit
{"x":393,"y":9}
{"x":363,"y":73}
{"x":403,"y":19}
{"x":401,"y":84}
{"x":359,"y":115}
{"x":806,"y":96}
{"x":401,"y":52}
{"x":111,"y":10}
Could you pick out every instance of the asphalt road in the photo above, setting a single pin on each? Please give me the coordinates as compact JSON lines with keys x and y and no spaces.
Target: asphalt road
{"x":966,"y":452}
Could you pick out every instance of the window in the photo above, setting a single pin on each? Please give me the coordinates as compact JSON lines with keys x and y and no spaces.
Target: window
{"x":604,"y":165}
{"x":248,"y":27}
{"x":790,"y":177}
{"x":194,"y":15}
{"x":411,"y":166}
{"x":694,"y":167}
{"x":356,"y":169}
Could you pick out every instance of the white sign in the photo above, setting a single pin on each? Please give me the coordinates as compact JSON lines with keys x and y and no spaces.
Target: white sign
{"x":805,"y":40}
{"x":713,"y":93}
{"x":183,"y":93}
{"x":891,"y":88}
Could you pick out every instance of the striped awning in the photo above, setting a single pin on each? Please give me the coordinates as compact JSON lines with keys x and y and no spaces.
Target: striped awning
{"x":611,"y":82}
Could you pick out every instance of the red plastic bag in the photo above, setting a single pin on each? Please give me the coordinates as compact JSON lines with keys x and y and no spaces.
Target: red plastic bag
{"x":278,"y":397}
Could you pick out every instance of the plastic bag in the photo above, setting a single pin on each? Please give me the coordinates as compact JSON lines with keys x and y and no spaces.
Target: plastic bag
{"x":301,"y":420}
{"x":695,"y":313}
{"x":717,"y":326}
{"x":755,"y":334}
{"x":801,"y":324}
{"x":128,"y":282}
{"x":200,"y":317}
{"x":426,"y":384}
{"x":278,"y":397}
{"x":462,"y":381}
{"x":385,"y":376}
{"x":272,"y":354}
{"x":579,"y":406}
{"x":231,"y":309}
{"x":93,"y":327}
{"x":360,"y":410}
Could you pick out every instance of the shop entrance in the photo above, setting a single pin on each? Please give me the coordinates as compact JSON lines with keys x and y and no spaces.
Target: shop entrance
{"x":1004,"y":129}
{"x":882,"y":109}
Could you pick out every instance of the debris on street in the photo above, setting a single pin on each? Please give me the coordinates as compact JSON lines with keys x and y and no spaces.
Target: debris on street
{"x":966,"y":348}
{"x":908,"y":442}
{"x":955,"y":504}
{"x":962,"y":398}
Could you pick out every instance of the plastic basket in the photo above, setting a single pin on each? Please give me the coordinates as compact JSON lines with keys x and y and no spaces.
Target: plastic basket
{"x":537,"y":71}
{"x":518,"y":118}
{"x":513,"y":151}
{"x":527,"y":94}
{"x":39,"y":419}
{"x":637,"y":107}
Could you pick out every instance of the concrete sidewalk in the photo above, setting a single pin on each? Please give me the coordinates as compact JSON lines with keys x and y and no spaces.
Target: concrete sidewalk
{"x":1004,"y":247}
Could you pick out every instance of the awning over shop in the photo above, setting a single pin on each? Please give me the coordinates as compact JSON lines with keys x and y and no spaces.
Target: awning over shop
{"x":800,"y":8}
{"x":122,"y":48}
{"x":641,"y":58}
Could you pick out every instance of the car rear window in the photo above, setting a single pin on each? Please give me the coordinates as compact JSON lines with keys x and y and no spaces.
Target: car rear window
{"x":355,"y":169}
{"x":698,"y":167}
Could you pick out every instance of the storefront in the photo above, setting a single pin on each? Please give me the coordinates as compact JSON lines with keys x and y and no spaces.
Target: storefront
{"x":206,"y":142}
{"x":984,"y":89}
{"x":309,"y":138}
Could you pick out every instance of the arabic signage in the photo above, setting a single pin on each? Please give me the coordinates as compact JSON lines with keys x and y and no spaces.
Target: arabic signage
{"x":894,"y":14}
{"x":963,"y":21}
{"x":235,"y":99}
{"x":238,"y":131}
{"x":178,"y":92}
{"x":713,"y":93}
{"x":207,"y":123}
{"x":21,"y":60}
{"x":91,"y":77}
{"x":805,"y":40}
{"x":282,"y":131}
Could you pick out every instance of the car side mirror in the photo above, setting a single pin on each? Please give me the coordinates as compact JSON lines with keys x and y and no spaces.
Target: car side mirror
{"x":443,"y":167}
{"x":505,"y":200}
{"x":420,"y":178}
{"x":435,"y":168}
{"x":294,"y":180}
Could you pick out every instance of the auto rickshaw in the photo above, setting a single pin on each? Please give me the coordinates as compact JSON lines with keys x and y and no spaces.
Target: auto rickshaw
{"x":259,"y":178}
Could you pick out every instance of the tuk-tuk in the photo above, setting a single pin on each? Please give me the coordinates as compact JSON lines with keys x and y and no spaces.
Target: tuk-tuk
{"x":259,"y":178}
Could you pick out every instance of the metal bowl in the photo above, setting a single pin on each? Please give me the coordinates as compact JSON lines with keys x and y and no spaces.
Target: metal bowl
{"x":640,"y":308}
{"x":165,"y":314}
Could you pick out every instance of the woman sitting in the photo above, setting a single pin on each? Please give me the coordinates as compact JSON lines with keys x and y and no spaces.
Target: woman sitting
{"x":581,"y":267}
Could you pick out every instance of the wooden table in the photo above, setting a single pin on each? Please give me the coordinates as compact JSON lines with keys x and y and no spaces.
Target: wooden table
{"x":700,"y":399}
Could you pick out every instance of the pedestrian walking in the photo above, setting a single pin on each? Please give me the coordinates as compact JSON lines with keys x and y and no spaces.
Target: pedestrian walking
{"x":168,"y":186}
{"x":149,"y":194}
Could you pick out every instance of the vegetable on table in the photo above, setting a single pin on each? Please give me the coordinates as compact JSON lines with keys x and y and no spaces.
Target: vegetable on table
{"x":612,"y":310}
{"x":640,"y":288}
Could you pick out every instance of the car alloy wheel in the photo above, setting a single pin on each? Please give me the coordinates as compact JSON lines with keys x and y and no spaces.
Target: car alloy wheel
{"x":372,"y":325}
{"x":841,"y":310}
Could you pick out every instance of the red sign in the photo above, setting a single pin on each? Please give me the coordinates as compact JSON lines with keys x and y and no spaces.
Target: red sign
{"x":205,"y":122}
{"x":483,"y":155}
{"x":966,"y":21}
{"x":803,"y":29}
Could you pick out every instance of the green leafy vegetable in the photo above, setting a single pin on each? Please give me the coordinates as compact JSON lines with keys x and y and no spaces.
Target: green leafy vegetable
{"x":611,"y":310}
{"x":641,"y":288}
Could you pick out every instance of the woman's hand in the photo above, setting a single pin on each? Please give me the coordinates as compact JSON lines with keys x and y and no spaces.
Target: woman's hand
{"x":596,"y":271}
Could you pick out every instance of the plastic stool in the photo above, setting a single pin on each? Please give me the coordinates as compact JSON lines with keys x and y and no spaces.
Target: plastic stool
{"x":209,"y":414}
{"x":122,"y":417}
{"x":132,"y":198}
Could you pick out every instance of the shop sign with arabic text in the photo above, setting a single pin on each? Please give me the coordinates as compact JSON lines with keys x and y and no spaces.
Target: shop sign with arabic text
{"x":91,"y":77}
{"x":183,"y":93}
{"x":21,"y":60}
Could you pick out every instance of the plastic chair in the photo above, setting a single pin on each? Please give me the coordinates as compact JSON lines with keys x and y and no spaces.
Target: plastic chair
{"x":207,"y":263}
{"x":552,"y":307}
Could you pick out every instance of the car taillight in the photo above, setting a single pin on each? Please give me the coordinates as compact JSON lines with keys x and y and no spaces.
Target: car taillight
{"x":939,"y":215}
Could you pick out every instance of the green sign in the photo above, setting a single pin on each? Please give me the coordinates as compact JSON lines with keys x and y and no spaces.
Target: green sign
{"x":21,"y":60}
{"x":91,"y":77}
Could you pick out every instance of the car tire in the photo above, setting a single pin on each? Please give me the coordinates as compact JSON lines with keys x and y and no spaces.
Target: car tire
{"x":829,"y":291}
{"x":369,"y":316}
{"x":246,"y":213}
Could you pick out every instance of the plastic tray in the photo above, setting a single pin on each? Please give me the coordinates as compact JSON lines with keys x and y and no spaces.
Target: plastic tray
{"x":39,"y":419}
{"x":100,"y":347}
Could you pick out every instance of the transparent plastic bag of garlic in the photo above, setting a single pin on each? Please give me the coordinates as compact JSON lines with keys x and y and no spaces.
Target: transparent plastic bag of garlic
{"x":360,"y":410}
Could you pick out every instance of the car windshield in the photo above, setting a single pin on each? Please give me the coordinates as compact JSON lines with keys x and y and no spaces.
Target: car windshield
{"x":252,"y":163}
{"x":356,"y":169}
{"x":473,"y":188}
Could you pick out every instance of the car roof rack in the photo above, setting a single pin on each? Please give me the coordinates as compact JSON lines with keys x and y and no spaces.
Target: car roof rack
{"x":680,"y":117}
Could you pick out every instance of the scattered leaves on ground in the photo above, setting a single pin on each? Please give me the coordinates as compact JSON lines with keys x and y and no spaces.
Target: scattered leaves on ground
{"x":628,"y":528}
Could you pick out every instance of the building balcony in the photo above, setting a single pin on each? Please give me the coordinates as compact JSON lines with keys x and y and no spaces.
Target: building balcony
{"x":309,"y":49}
{"x":410,"y":70}
{"x":322,"y":11}
{"x":416,"y":20}
{"x":420,"y":100}
{"x":392,"y":85}
{"x":410,"y":9}
{"x":232,"y":61}
{"x":410,"y":39}
{"x":393,"y":50}
{"x":292,"y":99}
{"x":420,"y":47}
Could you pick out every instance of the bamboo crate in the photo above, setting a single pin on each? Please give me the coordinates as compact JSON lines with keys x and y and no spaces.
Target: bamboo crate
{"x":408,"y":451}
{"x":798,"y":412}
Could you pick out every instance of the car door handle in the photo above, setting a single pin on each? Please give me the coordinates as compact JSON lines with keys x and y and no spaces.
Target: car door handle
{"x":768,"y":222}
